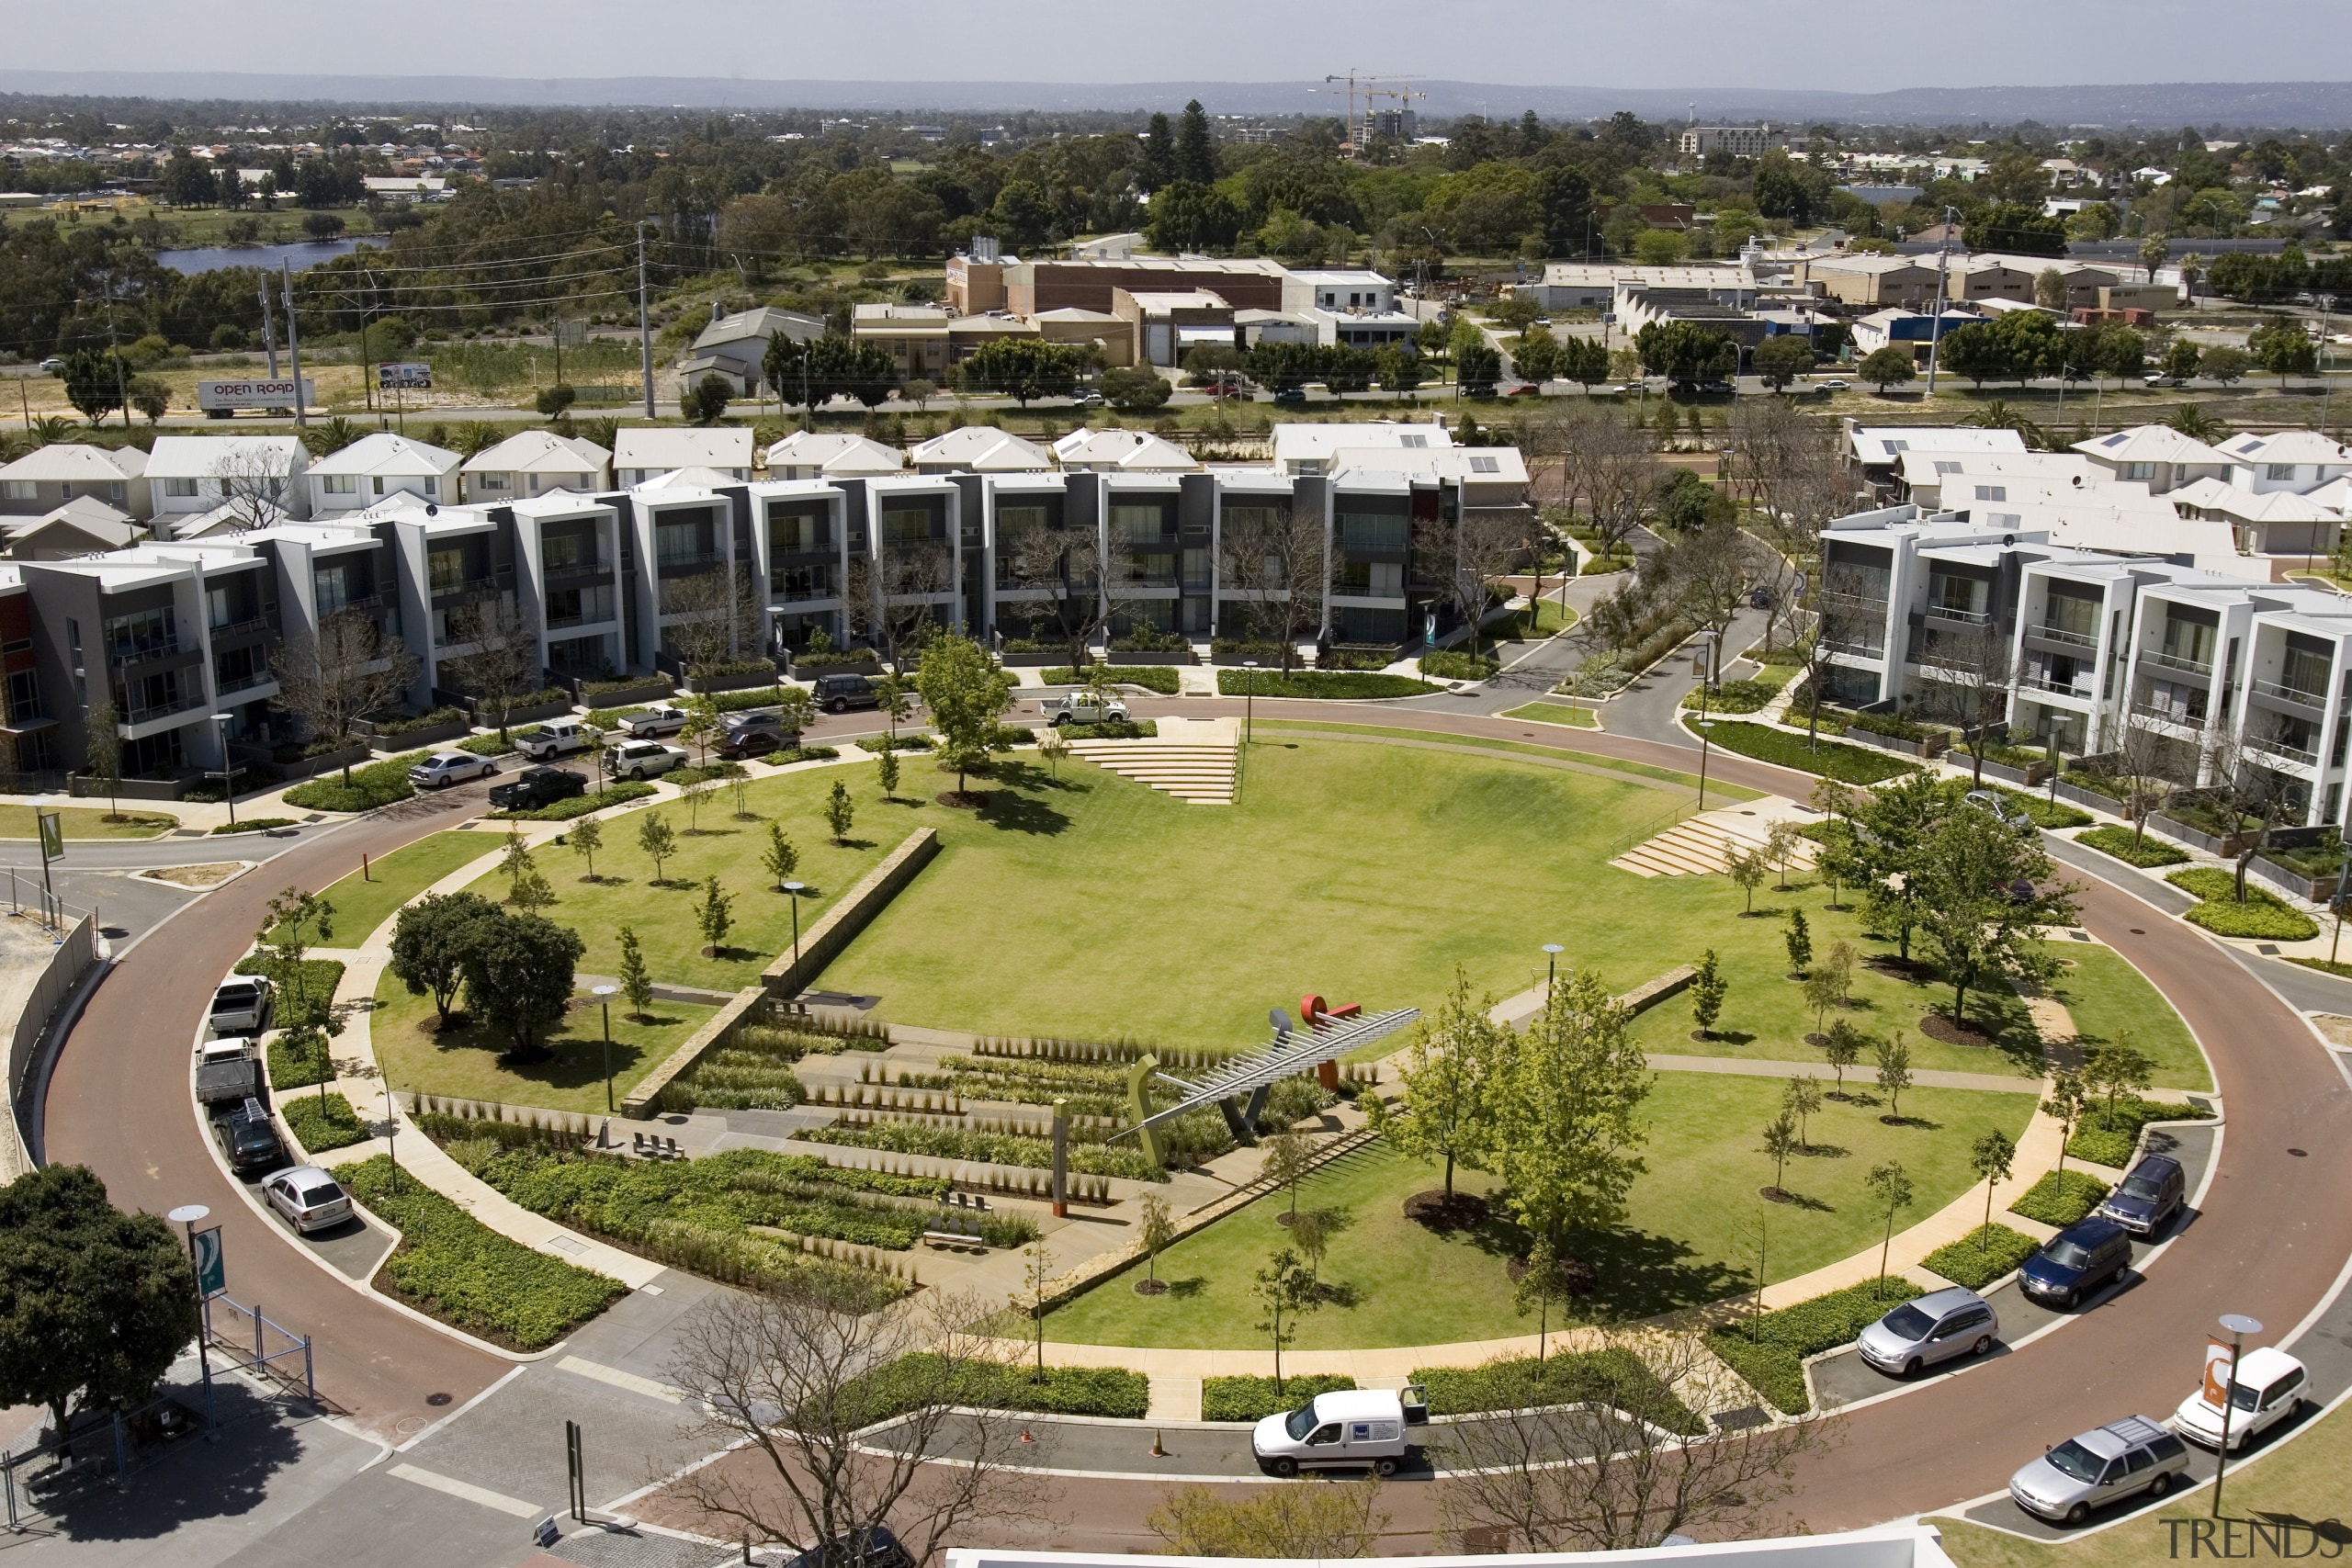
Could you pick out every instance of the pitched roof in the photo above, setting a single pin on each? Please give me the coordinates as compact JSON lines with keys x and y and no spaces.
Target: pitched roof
{"x":539,"y":451}
{"x":385,"y":453}
{"x":2280,"y":447}
{"x":654,"y":446}
{"x":984,"y":449}
{"x":841,"y":453}
{"x":76,"y":462}
{"x":762,"y":321}
{"x":200,"y":457}
{"x":1122,"y":451}
{"x":2252,"y":506}
{"x":2151,"y":443}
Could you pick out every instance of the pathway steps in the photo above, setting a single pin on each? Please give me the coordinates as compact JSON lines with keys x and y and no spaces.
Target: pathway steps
{"x":1695,"y":846}
{"x":1191,"y":759}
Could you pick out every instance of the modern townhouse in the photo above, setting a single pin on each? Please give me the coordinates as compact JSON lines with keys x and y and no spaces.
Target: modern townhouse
{"x":2157,"y":455}
{"x":799,"y":537}
{"x":2076,"y":610}
{"x":198,"y":481}
{"x":647,"y":452}
{"x":570,"y":583}
{"x":683,"y":555}
{"x":533,"y":463}
{"x":42,"y":481}
{"x":381,"y":465}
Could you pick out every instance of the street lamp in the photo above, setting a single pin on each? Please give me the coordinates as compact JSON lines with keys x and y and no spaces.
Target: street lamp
{"x":1249,"y":702}
{"x":1705,"y":725}
{"x":2239,"y":1325}
{"x":228,"y":774}
{"x":794,"y":890}
{"x":1552,"y":951}
{"x":604,"y":995}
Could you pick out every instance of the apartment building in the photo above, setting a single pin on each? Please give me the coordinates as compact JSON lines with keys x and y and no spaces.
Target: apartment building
{"x":1739,"y":141}
{"x":377,"y":466}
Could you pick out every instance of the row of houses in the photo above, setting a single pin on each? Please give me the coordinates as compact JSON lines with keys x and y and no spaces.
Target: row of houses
{"x":188,"y":635}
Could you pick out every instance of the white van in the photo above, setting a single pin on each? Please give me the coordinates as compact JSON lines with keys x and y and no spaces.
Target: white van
{"x":1367,"y":1427}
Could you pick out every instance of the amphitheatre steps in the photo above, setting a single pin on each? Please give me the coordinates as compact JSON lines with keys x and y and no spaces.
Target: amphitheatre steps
{"x":1695,"y":846}
{"x":1197,"y":768}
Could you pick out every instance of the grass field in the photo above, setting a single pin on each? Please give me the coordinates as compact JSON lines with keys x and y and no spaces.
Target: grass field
{"x":1689,"y":1237}
{"x":1689,"y":781}
{"x":89,"y":822}
{"x":2107,"y":996}
{"x":361,"y":904}
{"x":1555,"y":713}
{"x":465,"y":1062}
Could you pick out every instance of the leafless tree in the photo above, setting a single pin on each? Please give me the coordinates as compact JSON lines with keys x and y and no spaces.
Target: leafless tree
{"x":1632,"y":1466}
{"x":1711,"y":573}
{"x":1609,"y":460}
{"x":1083,"y":583}
{"x":792,"y":1377}
{"x":345,"y":671}
{"x":2238,"y":773}
{"x":1970,"y":671}
{"x":252,"y":486}
{"x":1462,"y":558}
{"x":503,"y":666}
{"x":1844,"y":614}
{"x":718,"y":617}
{"x":1277,"y":556}
{"x":2150,"y":765}
{"x":1786,"y":465}
{"x":890,"y":600}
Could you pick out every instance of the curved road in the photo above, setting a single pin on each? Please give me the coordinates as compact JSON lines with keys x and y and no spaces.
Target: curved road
{"x":2270,"y":1239}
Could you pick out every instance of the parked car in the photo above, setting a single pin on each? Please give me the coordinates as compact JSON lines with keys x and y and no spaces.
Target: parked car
{"x":308,"y":1198}
{"x":1079,"y":708}
{"x":2163,"y":381}
{"x":52,"y":366}
{"x":839,"y":693}
{"x":556,"y":738}
{"x":661,"y":718}
{"x":2076,"y":1261}
{"x":642,"y":759}
{"x":1630,"y":389}
{"x":882,"y":1551}
{"x":2151,"y":1194}
{"x":1715,"y":389}
{"x":1936,"y":1327}
{"x":248,"y":1139}
{"x":1086,"y":398}
{"x":1290,"y":394}
{"x":1366,"y":1426}
{"x":755,"y":734}
{"x":535,"y":787}
{"x":2266,"y":1388}
{"x":242,"y":1004}
{"x":444,"y":769}
{"x":2120,"y":1459}
{"x":1835,"y":384}
{"x":1526,"y":390}
{"x":228,"y":1071}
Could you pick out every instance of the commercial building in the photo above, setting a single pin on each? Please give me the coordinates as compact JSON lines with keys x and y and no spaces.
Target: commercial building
{"x":1739,"y":141}
{"x":1591,"y":285}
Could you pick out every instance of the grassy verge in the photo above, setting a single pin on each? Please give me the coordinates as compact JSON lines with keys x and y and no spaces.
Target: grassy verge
{"x":465,"y":1062}
{"x":1833,"y":759}
{"x":1770,"y":1351}
{"x":454,"y":1268}
{"x":2146,"y":854}
{"x":363,"y":902}
{"x":87,"y":822}
{"x":2060,"y":1198}
{"x":2109,"y":1137}
{"x":2109,"y":999}
{"x":1555,"y":713}
{"x":1480,"y":742}
{"x":1983,"y":1256}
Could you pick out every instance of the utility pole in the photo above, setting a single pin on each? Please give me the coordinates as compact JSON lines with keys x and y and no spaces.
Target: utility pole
{"x":1936,"y":327}
{"x":123,"y":393}
{"x":644,"y":332}
{"x":269,"y":332}
{"x":293,"y":345}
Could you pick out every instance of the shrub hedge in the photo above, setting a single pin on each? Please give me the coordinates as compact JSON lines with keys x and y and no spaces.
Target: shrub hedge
{"x":1736,"y":696}
{"x":322,"y":1125}
{"x":1446,"y":664}
{"x":1564,"y":1379}
{"x":2110,"y":1138}
{"x":1254,"y":1399}
{"x":1160,"y":678}
{"x":1834,"y":759}
{"x":377,"y":784}
{"x":319,"y":977}
{"x":2263,"y":916}
{"x":1770,"y":1351}
{"x":1334,"y":685}
{"x":1131,"y":729}
{"x":461,"y":1271}
{"x":1983,"y":1256}
{"x":922,"y":1379}
{"x":2117,"y":841}
{"x":393,"y":729}
{"x":580,"y":805}
{"x":992,"y":1148}
{"x":2060,"y":1198}
{"x":289,"y":1070}
{"x":877,"y":744}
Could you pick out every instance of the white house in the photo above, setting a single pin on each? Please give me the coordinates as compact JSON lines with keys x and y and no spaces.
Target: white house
{"x":828,"y":455}
{"x":2297,"y":460}
{"x":40,"y":482}
{"x":377,"y":466}
{"x":2156,"y":455}
{"x":1307,"y":449}
{"x":977,"y":450}
{"x":535,"y":463}
{"x":188,"y":476}
{"x":1118,"y":451}
{"x":647,"y":452}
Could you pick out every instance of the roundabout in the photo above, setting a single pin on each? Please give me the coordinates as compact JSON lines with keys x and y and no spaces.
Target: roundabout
{"x":2270,"y":1235}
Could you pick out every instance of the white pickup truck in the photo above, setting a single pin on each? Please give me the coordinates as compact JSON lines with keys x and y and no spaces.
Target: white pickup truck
{"x":556,"y":738}
{"x":1079,"y":708}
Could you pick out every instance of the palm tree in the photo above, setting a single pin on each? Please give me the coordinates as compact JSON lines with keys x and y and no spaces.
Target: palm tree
{"x":330,"y":437}
{"x":1998,"y":415}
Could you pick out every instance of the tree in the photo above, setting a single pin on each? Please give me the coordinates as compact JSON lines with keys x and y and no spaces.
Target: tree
{"x":1801,"y":1098}
{"x":1274,"y":560}
{"x":1311,"y":1231}
{"x":1584,"y":361}
{"x":1894,"y":1073}
{"x":500,"y":656}
{"x":781,"y":858}
{"x":1708,"y":987}
{"x":430,"y":940}
{"x":840,"y":811}
{"x":704,"y":724}
{"x":1535,"y":356}
{"x":786,"y":1376}
{"x":1284,"y":1289}
{"x":966,"y":695}
{"x":151,"y":395}
{"x":1843,"y":1047}
{"x":1798,"y":939}
{"x":636,"y":981}
{"x":1992,"y":1157}
{"x":2049,"y":289}
{"x":712,"y":615}
{"x":293,"y":921}
{"x":531,"y":891}
{"x":1289,"y":1159}
{"x":1641,"y":1468}
{"x":1888,"y":367}
{"x":1155,"y":1233}
{"x":102,"y":745}
{"x":1053,"y":746}
{"x":1477,"y":367}
{"x":95,"y":1305}
{"x":1781,"y":359}
{"x":2117,"y":1068}
{"x":2282,"y":347}
{"x":1464,"y":557}
{"x":1972,"y":670}
{"x":2064,"y":1106}
{"x":2014,"y":228}
{"x":1747,"y":870}
{"x":554,"y":402}
{"x":1824,"y":989}
{"x":714,"y":916}
{"x":1327,"y":1522}
{"x":704,"y":402}
{"x":586,"y":838}
{"x":1134,"y":389}
{"x":514,"y":858}
{"x":93,"y":382}
{"x":1687,"y":351}
{"x":885,"y":773}
{"x":1984,"y":904}
{"x":1195,"y":148}
{"x":694,"y":792}
{"x":344,"y":672}
{"x":1569,"y":1120}
{"x":1025,"y":369}
{"x":1448,"y":1075}
{"x":1890,"y":1189}
{"x":519,"y":977}
{"x":658,"y":840}
{"x":1893,"y":825}
{"x":1780,"y":1142}
{"x":1401,"y":369}
{"x":2224,"y":363}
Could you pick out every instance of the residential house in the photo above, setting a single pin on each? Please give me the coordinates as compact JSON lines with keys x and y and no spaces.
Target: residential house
{"x":380,"y":465}
{"x":1113,"y":450}
{"x":641,"y":453}
{"x":2156,"y":455}
{"x":40,"y":482}
{"x":2297,"y":460}
{"x":257,"y":478}
{"x":1308,"y":449}
{"x":915,"y":335}
{"x":734,"y":347}
{"x":82,"y":526}
{"x":1877,"y":451}
{"x":977,"y":450}
{"x":815,"y":455}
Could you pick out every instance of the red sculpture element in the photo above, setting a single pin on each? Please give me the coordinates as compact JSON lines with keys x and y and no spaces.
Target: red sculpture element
{"x":1314,"y":1013}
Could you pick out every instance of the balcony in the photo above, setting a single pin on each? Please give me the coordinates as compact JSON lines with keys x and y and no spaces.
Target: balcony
{"x":235,"y":631}
{"x":1857,"y":604}
{"x":2272,"y":746}
{"x":2317,"y":700}
{"x":136,"y":712}
{"x":141,"y":649}
{"x":2043,"y":684}
{"x":2174,"y":662}
{"x":246,"y":682}
{"x":2062,"y":635}
{"x":1863,"y":646}
{"x":687,"y":560}
{"x":1959,"y":617}
{"x":2188,"y":718}
{"x":495,"y":580}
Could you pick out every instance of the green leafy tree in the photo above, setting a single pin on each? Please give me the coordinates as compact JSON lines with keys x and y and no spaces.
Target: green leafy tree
{"x":1155,"y":1233}
{"x":95,"y":1305}
{"x":1535,"y":356}
{"x":695,"y":791}
{"x":1823,"y":990}
{"x":1687,"y":351}
{"x":531,"y":891}
{"x":781,"y":858}
{"x":2067,"y":1100}
{"x":1284,"y":1291}
{"x":704,"y":723}
{"x":2224,"y":363}
{"x":1894,"y":1073}
{"x":841,"y":812}
{"x":151,"y":395}
{"x":1449,"y":1070}
{"x":1746,"y":871}
{"x":1975,"y":914}
{"x":515,"y":859}
{"x":885,"y":774}
{"x":1708,"y":989}
{"x":1801,"y":1098}
{"x":1134,"y":389}
{"x":1842,"y":1047}
{"x":1025,"y":369}
{"x":292,"y":923}
{"x":2179,"y":360}
{"x":967,"y":696}
{"x":1798,"y":939}
{"x":1781,"y":359}
{"x":704,"y":402}
{"x":430,"y":940}
{"x":658,"y":840}
{"x":1400,"y":369}
{"x":2282,"y":347}
{"x":1779,"y":1142}
{"x":2116,"y":1069}
{"x":1288,"y":1159}
{"x":1890,"y":851}
{"x":1569,"y":1119}
{"x":102,"y":746}
{"x":1584,"y":360}
{"x":94,"y":384}
{"x":1477,"y":367}
{"x":2015,"y":228}
{"x":1311,"y":1231}
{"x":519,"y":979}
{"x":587,"y":836}
{"x":637,"y":980}
{"x":714,"y":916}
{"x":1888,"y":1185}
{"x":1992,"y":1157}
{"x":1888,"y":366}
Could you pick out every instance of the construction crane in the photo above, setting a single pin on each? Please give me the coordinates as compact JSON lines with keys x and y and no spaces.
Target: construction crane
{"x":1352,"y":79}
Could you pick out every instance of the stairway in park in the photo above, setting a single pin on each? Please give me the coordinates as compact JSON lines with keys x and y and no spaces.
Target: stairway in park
{"x":1694,"y":846}
{"x":1191,"y":759}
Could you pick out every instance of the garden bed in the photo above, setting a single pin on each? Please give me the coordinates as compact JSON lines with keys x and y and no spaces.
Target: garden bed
{"x":2263,"y":916}
{"x":1569,"y":1377}
{"x":2112,"y":1139}
{"x":2060,"y":1198}
{"x":1770,"y":1351}
{"x":1254,"y":1399}
{"x":579,"y":804}
{"x":1330,"y":685}
{"x":1160,"y":678}
{"x":322,"y":1122}
{"x":2147,"y":854}
{"x":378,"y":783}
{"x":1832,"y":758}
{"x":1982,"y":1257}
{"x":922,"y":1379}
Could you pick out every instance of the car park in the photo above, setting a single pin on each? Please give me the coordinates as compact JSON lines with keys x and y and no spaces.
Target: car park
{"x":1366,"y":1427}
{"x":2150,"y":1193}
{"x":536,"y":787}
{"x":248,"y":1139}
{"x":839,"y":693}
{"x":2076,"y":1262}
{"x":642,"y":759}
{"x":444,"y":769}
{"x":2267,"y":1388}
{"x":1938,"y":1326}
{"x":307,"y":1198}
{"x":242,"y":1004}
{"x":2122,"y":1458}
{"x":661,"y":718}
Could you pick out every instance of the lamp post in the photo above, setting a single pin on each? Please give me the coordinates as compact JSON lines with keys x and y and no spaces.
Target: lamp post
{"x":2239,"y":1325}
{"x":792,"y":890}
{"x":1249,"y":702}
{"x":1552,"y":951}
{"x":1705,"y":725}
{"x":228,"y":774}
{"x":604,"y":995}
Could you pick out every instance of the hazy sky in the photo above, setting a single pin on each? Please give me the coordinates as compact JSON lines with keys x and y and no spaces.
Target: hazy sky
{"x":1842,"y":44}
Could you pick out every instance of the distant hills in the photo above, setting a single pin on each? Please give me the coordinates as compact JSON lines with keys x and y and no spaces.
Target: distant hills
{"x":2307,"y":105}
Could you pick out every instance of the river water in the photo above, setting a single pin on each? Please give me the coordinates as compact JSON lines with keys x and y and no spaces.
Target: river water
{"x":306,"y":253}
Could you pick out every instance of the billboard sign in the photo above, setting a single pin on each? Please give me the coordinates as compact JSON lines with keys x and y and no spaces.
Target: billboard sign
{"x":211,"y":1263}
{"x":407,"y":378}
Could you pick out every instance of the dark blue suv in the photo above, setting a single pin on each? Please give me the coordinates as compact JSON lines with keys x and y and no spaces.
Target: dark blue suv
{"x":2148,"y":1197}
{"x":2076,"y":1261}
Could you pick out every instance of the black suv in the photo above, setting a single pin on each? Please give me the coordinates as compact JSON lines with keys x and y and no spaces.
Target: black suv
{"x":2151,"y":1194}
{"x":839,"y":693}
{"x":2076,"y":1261}
{"x":535,"y":787}
{"x":249,"y":1141}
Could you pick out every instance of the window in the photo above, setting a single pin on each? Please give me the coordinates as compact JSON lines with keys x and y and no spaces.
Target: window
{"x":2279,"y":470}
{"x":1486,"y":465}
{"x":182,"y":488}
{"x":143,"y":634}
{"x":342,"y":484}
{"x":1992,"y":492}
{"x":493,"y":484}
{"x":380,"y":484}
{"x":1944,"y":466}
{"x":1362,"y":531}
{"x":432,"y":486}
{"x":19,"y":489}
{"x":907,"y":525}
{"x":2139,"y":471}
{"x":1136,"y":524}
